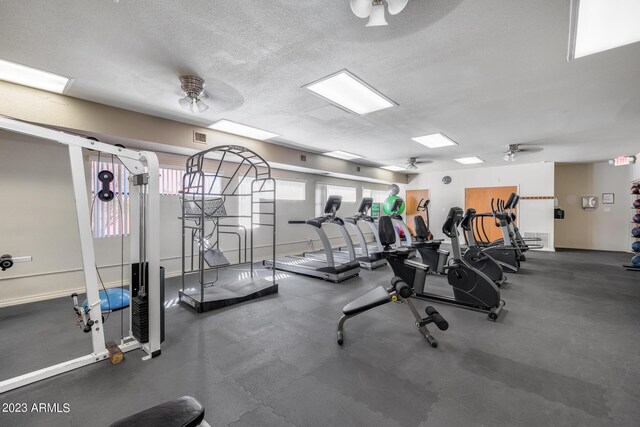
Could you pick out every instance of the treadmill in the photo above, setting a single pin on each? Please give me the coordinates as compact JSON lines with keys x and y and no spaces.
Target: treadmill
{"x":368,"y":256}
{"x":330,"y":268}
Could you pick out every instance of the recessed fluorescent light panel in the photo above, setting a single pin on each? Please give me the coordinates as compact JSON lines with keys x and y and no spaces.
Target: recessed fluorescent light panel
{"x":435,"y":140}
{"x":343,"y":155}
{"x":469,"y":160}
{"x":243,"y":130}
{"x":598,"y":25}
{"x":346,"y":91}
{"x":393,"y":168}
{"x":32,"y":77}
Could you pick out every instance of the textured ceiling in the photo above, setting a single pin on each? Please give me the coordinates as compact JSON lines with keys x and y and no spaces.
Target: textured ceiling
{"x":485,"y":72}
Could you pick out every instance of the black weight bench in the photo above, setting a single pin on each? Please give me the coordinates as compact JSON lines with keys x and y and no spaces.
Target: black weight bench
{"x":183,"y":412}
{"x":370,"y":300}
{"x":399,"y":291}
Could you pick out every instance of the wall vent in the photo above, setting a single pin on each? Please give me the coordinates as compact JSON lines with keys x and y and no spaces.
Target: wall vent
{"x":303,"y":158}
{"x":544,"y":238}
{"x":199,"y":137}
{"x":357,"y":168}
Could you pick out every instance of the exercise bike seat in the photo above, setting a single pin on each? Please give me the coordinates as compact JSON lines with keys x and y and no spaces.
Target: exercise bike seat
{"x":371,"y":299}
{"x":183,"y":412}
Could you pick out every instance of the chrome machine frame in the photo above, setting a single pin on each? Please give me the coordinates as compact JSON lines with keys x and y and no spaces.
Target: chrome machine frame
{"x":144,"y":243}
{"x":205,"y":220}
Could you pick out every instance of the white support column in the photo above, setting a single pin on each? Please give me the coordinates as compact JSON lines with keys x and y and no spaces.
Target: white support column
{"x":153,"y":249}
{"x":86,"y":244}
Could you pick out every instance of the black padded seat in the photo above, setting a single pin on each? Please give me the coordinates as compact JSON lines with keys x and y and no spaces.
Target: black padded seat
{"x":183,"y":412}
{"x":422,"y":231}
{"x":386,"y":231}
{"x":371,"y":299}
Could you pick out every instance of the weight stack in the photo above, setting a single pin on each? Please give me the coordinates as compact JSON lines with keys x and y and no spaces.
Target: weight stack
{"x":140,"y":318}
{"x":140,"y":305}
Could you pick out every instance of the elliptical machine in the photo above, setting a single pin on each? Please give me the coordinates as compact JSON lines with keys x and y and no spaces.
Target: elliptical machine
{"x":472,"y":289}
{"x":476,"y":256}
{"x":505,"y":254}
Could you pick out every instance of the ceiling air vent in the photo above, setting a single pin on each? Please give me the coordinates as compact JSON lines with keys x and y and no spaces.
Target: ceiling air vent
{"x":303,"y":158}
{"x":357,"y":168}
{"x":199,"y":137}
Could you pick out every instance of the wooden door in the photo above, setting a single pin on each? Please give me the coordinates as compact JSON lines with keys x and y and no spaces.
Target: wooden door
{"x":480,"y":199}
{"x":413,"y":199}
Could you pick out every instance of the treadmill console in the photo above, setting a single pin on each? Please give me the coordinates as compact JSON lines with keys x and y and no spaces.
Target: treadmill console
{"x":332,"y":205}
{"x":365,"y":205}
{"x":397,"y":204}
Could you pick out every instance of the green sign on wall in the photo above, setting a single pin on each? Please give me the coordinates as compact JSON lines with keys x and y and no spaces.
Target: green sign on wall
{"x":375,"y":210}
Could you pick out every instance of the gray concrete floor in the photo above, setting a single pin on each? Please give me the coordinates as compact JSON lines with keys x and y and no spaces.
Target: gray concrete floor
{"x":565,"y":352}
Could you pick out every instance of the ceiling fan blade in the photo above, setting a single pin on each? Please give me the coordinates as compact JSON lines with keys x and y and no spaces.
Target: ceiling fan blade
{"x":361,"y":8}
{"x":396,"y":6}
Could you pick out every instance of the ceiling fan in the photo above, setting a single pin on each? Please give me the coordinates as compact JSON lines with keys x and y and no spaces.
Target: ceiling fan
{"x":413,"y":161}
{"x":193,"y":88}
{"x":511,"y":153}
{"x":374,"y":10}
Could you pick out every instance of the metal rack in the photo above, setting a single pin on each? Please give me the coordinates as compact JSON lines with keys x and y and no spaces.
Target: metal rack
{"x":205,"y":221}
{"x":634,"y":197}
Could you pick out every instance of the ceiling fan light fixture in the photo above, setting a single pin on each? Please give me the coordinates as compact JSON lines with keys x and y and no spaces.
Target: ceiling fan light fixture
{"x":201,"y":106}
{"x":185,"y":103}
{"x":361,"y":8}
{"x":396,"y":6}
{"x":193,"y":87}
{"x":377,"y":18}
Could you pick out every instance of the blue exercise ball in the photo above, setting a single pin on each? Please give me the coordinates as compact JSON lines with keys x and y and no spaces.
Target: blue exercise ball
{"x":635,"y":232}
{"x":111,"y":300}
{"x":635,"y":246}
{"x":635,"y":261}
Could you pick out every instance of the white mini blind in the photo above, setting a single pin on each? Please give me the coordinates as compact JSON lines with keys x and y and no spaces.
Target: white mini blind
{"x":378,"y":196}
{"x":323,"y":191}
{"x":111,"y":219}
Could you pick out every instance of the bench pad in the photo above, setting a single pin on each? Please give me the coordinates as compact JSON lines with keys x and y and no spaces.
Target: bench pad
{"x":183,"y":412}
{"x":371,"y":299}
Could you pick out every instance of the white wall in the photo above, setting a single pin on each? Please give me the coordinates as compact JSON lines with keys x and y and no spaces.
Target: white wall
{"x":635,"y":169}
{"x":607,"y":227}
{"x":535,"y":216}
{"x":38,"y":218}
